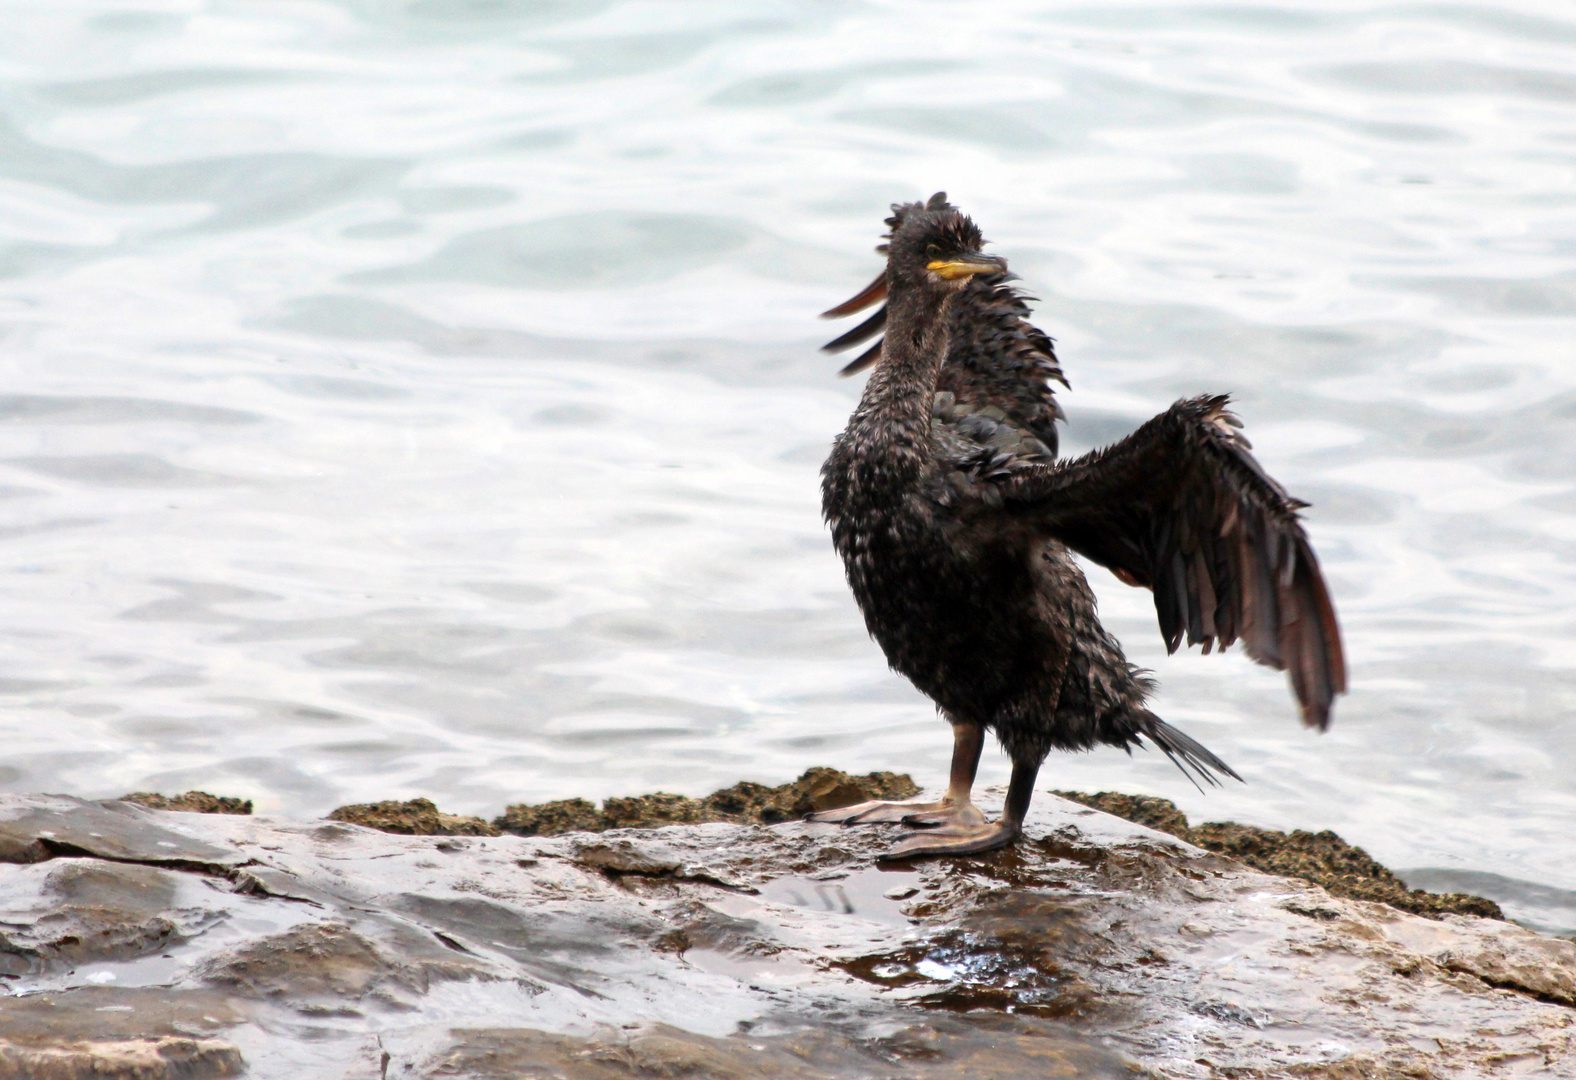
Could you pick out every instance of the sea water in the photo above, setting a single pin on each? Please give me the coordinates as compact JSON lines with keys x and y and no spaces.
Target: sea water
{"x":421,"y":397}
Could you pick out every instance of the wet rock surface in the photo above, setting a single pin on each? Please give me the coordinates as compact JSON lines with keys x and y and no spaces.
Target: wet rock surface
{"x":1017,"y":1050}
{"x":105,"y":1032}
{"x":1322,"y":858}
{"x":159,"y":944}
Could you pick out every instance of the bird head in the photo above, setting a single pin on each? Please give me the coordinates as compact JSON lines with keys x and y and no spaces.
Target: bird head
{"x":936,"y":246}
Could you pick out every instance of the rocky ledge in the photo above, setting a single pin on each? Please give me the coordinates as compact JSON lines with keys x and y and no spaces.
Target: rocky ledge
{"x":153,"y":944}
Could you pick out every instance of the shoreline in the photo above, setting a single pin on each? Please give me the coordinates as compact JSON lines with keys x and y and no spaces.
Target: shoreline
{"x":1322,"y":858}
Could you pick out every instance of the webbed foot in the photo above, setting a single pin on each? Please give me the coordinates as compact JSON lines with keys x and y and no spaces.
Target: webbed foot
{"x":867,"y":813}
{"x":959,"y":814}
{"x":956,"y":839}
{"x":916,"y":812}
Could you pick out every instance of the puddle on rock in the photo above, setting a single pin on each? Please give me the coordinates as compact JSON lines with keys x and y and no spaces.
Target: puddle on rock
{"x":873,"y":894}
{"x":1021,"y":953}
{"x":961,"y":970}
{"x":757,"y":969}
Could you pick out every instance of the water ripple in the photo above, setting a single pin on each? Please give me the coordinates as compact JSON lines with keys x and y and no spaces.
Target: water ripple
{"x":422,"y":399}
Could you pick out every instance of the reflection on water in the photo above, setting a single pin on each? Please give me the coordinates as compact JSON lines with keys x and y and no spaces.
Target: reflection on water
{"x":421,"y":398}
{"x":878,"y":894}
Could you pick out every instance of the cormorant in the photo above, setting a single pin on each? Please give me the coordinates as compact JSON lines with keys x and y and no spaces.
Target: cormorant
{"x":956,"y":523}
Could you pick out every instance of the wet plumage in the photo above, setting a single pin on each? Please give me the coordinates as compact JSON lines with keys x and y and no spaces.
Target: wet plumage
{"x":954,"y":519}
{"x":999,"y":366}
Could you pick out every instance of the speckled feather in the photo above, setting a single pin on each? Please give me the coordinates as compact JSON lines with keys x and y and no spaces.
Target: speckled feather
{"x":950,"y":512}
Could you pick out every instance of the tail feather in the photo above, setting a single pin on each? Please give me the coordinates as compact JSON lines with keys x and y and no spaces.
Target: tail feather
{"x":1186,"y":753}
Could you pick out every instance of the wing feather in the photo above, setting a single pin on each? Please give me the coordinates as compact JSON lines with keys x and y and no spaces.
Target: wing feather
{"x":1182,"y":507}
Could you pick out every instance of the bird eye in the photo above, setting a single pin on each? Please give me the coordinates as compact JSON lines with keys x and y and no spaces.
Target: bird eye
{"x":933,"y":251}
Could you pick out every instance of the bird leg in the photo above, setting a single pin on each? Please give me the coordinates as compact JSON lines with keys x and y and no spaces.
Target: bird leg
{"x":963,"y":838}
{"x":954,"y":808}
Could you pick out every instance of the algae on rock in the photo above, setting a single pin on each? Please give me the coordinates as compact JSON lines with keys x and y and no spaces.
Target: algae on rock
{"x":1322,"y":858}
{"x":413,"y":817}
{"x":191,"y":802}
{"x":744,"y":803}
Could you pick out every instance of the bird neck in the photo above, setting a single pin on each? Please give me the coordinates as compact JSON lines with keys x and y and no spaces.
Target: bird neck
{"x":896,"y":405}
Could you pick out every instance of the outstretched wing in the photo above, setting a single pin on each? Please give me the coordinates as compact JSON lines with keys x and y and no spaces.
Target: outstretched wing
{"x":1181,"y":506}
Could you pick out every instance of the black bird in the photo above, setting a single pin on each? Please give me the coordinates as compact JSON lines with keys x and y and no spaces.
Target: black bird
{"x":955,"y":523}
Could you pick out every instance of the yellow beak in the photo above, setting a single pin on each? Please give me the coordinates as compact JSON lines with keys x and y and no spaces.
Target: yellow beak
{"x":966,"y":266}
